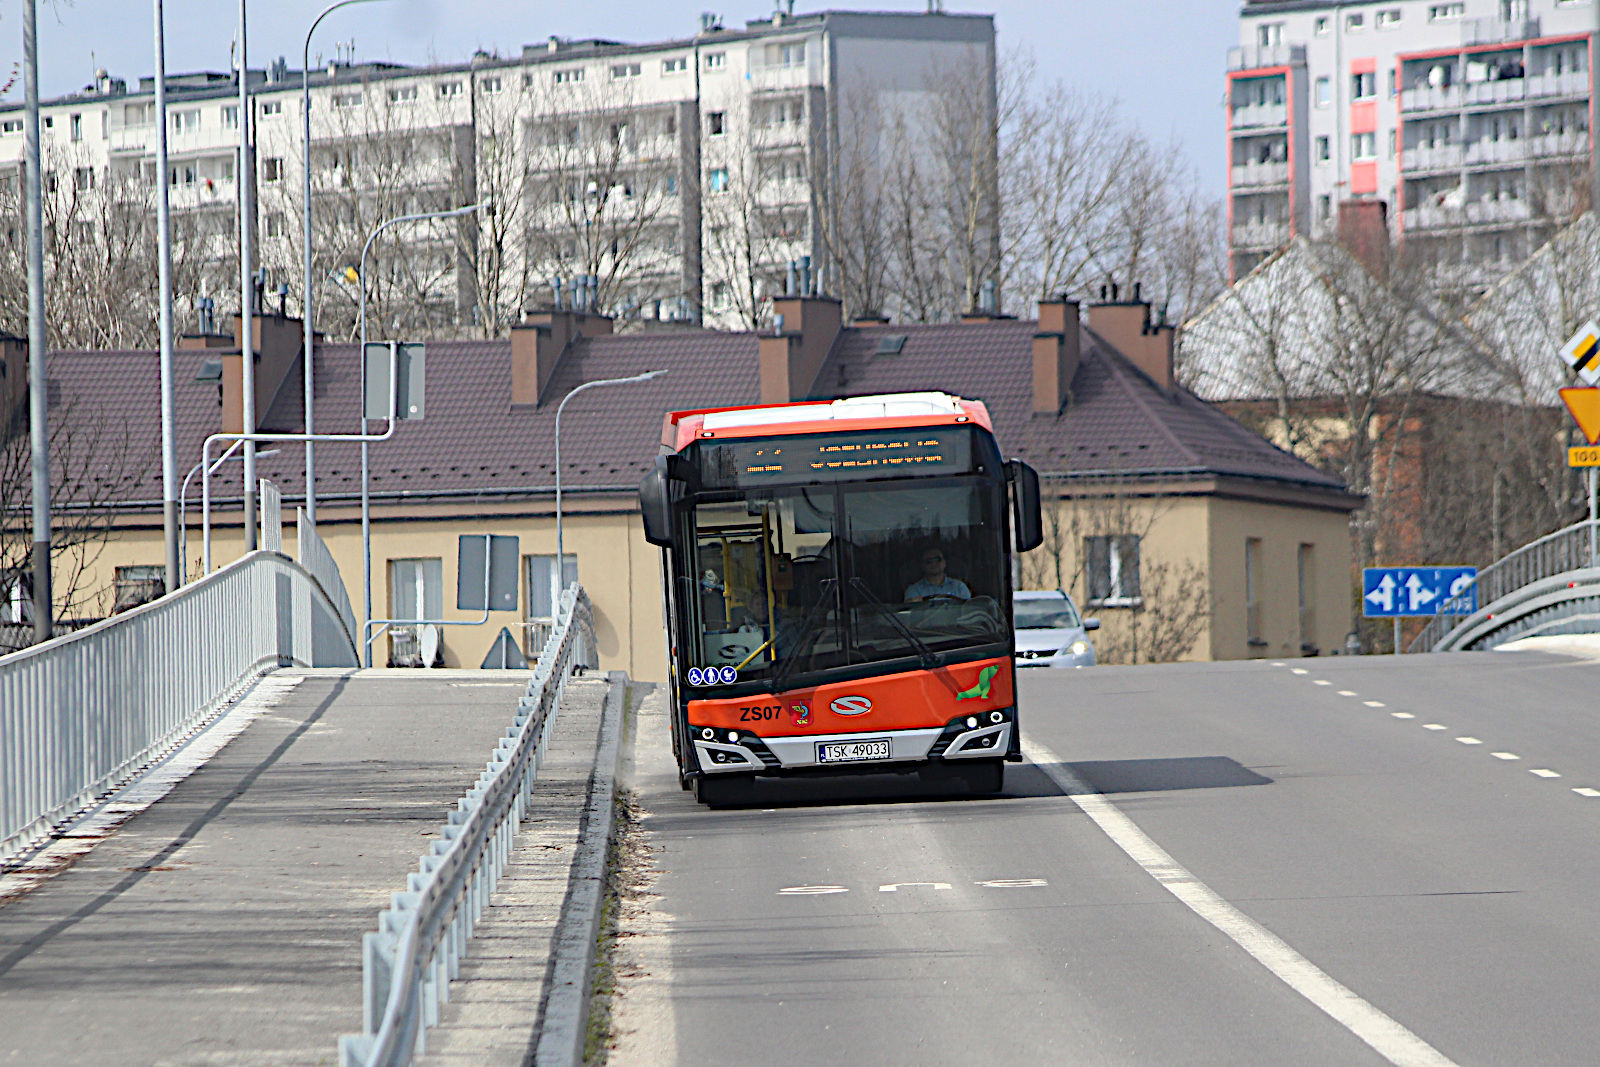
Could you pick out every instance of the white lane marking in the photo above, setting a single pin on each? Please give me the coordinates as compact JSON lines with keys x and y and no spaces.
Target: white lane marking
{"x":1505,"y":755}
{"x":1386,"y":1036}
{"x":1402,"y":715}
{"x":1542,"y":773}
{"x":1374,"y":703}
{"x":1277,"y":664}
{"x":1433,"y":726}
{"x":1013,"y":883}
{"x":1346,"y":693}
{"x":1320,"y":681}
{"x":894,"y":887}
{"x":1469,"y":740}
{"x":811,"y":890}
{"x":1298,"y":670}
{"x":1585,"y":791}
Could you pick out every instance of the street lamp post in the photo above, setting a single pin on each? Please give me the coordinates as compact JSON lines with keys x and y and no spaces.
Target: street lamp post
{"x":307,"y":377}
{"x":38,"y":383}
{"x":561,"y":554}
{"x":366,"y":499}
{"x":169,"y":439}
{"x":247,"y":367}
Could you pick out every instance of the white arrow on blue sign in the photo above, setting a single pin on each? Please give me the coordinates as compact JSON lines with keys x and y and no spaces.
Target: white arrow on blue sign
{"x":1388,"y":592}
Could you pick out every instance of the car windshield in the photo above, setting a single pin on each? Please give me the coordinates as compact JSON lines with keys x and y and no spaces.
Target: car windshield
{"x":1045,"y":613}
{"x":807,"y":578}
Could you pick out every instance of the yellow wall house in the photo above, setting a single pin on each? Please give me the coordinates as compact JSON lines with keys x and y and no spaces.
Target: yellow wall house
{"x":1190,"y":537}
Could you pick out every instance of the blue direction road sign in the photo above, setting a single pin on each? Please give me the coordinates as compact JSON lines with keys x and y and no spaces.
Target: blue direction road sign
{"x":1394,"y":591}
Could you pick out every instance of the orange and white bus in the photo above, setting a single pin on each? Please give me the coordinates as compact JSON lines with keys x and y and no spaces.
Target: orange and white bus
{"x":837,"y":581}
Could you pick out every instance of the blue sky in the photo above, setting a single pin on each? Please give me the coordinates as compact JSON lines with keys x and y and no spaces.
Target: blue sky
{"x":1163,"y":59}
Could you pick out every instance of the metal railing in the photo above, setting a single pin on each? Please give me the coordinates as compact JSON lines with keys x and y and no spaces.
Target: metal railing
{"x":1568,"y":549}
{"x":315,"y":557}
{"x":408,"y":963}
{"x":82,"y":712}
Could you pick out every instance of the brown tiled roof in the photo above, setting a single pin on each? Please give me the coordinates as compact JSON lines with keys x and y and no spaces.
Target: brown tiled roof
{"x":473,"y":441}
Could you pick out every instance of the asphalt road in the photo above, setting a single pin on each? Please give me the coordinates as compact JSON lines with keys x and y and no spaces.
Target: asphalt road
{"x":1420,"y":830}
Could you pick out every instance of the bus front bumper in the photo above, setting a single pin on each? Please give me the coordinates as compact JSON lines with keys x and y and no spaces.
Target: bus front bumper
{"x":985,"y":736}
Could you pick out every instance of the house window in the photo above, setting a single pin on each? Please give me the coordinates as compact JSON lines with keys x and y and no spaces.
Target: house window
{"x":1323,"y":154}
{"x":716,"y":60}
{"x":138,"y":585}
{"x":1388,"y":19}
{"x":1321,"y":25}
{"x":271,"y":170}
{"x":1111,"y":570}
{"x":346,"y":99}
{"x":273,"y":224}
{"x":543,"y":591}
{"x":270,"y":108}
{"x":1364,"y":86}
{"x":719,"y":180}
{"x":1354,"y":23}
{"x":185,"y":121}
{"x":492,"y":85}
{"x":1252,"y":595}
{"x":416,"y":591}
{"x":230,"y":117}
{"x":626,"y":70}
{"x":448,"y":90}
{"x":717,"y":123}
{"x":1363,"y":146}
{"x":402,"y":94}
{"x":1441,"y":12}
{"x":1324,"y":91}
{"x":83,"y":178}
{"x":672,"y":185}
{"x":75,"y":128}
{"x":792,"y":55}
{"x":1307,"y":568}
{"x":675,"y":65}
{"x":1269,"y":35}
{"x":1324,"y":208}
{"x":570,"y":76}
{"x":10,"y":126}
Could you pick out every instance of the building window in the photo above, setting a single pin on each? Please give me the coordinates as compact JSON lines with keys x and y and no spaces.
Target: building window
{"x":1252,"y":595}
{"x":185,"y":121}
{"x":271,"y":170}
{"x":230,"y":117}
{"x":1269,"y":35}
{"x":792,"y":55}
{"x":416,"y":591}
{"x":1321,"y":25}
{"x":1364,"y":86}
{"x":346,"y":99}
{"x":1355,"y":23}
{"x":83,"y":178}
{"x":10,"y":126}
{"x":448,"y":90}
{"x":1441,"y":12}
{"x":492,"y":85}
{"x":1363,"y":146}
{"x":1111,"y":570}
{"x":675,"y":65}
{"x":716,"y":60}
{"x":1307,"y":568}
{"x":1392,"y":139}
{"x":75,"y":128}
{"x":1324,"y":208}
{"x":1324,"y":91}
{"x":138,"y":585}
{"x":719,"y":179}
{"x":273,"y":224}
{"x":626,"y":70}
{"x":542,"y":589}
{"x":570,"y":76}
{"x":1322,"y":150}
{"x":270,"y":108}
{"x":671,"y":185}
{"x":1388,"y":19}
{"x":402,"y":94}
{"x":717,"y":123}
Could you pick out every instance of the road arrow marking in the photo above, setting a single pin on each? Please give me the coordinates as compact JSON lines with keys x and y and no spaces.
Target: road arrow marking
{"x":894,"y":887}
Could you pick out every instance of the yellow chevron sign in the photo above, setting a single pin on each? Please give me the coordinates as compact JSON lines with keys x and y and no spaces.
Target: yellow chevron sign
{"x":1582,"y":353}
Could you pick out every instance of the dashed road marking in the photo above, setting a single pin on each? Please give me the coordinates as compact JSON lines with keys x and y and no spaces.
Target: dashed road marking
{"x":1320,"y":681}
{"x":1298,"y":670}
{"x":895,"y":887}
{"x":1374,"y":703}
{"x":1346,"y":693}
{"x":1402,"y":715}
{"x":1469,"y":740}
{"x":1434,"y":726}
{"x":1387,"y":1037}
{"x":1585,"y":791}
{"x":1013,"y":883}
{"x":1505,"y":755}
{"x":1543,"y":773}
{"x":811,"y":890}
{"x":1277,"y":665}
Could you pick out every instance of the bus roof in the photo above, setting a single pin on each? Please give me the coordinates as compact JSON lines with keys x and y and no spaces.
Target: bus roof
{"x":886,"y":411}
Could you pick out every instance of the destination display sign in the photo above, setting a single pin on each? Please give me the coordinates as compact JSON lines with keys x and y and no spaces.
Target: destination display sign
{"x":800,"y":458}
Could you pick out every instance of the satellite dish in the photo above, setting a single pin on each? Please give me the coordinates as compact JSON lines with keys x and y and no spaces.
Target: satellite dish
{"x":428,"y":642}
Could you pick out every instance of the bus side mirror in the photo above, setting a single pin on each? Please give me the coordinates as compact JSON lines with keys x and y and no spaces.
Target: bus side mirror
{"x":1025,"y":514}
{"x":655,"y":504}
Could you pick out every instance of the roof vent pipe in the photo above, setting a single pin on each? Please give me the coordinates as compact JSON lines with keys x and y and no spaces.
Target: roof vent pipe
{"x":805,"y":276}
{"x":790,"y":281}
{"x":555,"y":284}
{"x":1137,"y":291}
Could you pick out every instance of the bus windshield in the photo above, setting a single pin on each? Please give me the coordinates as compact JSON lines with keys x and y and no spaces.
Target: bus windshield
{"x":798,"y":579}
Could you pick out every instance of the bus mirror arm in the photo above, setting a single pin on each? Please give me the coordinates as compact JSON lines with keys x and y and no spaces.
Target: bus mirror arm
{"x":1026,"y":518}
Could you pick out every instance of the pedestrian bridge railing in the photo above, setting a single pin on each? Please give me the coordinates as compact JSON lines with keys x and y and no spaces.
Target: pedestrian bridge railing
{"x":407,"y":965}
{"x":1503,"y":585}
{"x":82,"y":712}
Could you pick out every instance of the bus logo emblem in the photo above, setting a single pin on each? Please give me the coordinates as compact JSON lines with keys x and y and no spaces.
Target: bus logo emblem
{"x":851,"y":706}
{"x":802,"y":714}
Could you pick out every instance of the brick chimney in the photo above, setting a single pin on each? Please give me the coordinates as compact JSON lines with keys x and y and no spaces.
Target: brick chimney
{"x":1055,"y":354}
{"x":1126,"y":326}
{"x":1364,"y":232}
{"x":793,"y":354}
{"x":275,"y":344}
{"x":13,"y":384}
{"x":538,"y":344}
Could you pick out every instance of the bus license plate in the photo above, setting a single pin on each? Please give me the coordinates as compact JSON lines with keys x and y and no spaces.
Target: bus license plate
{"x":852,"y":751}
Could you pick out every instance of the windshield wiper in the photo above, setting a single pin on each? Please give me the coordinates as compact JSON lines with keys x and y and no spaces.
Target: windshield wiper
{"x":781,"y":676}
{"x":924,"y":653}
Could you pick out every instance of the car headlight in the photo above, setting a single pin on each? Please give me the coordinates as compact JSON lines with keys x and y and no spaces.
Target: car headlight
{"x":1079,"y":647}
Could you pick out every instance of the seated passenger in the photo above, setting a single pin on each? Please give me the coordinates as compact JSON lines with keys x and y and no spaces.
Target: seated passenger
{"x":934,"y":582}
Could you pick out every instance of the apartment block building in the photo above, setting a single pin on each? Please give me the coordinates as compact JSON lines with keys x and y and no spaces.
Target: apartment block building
{"x":1469,"y":119}
{"x":678,"y":180}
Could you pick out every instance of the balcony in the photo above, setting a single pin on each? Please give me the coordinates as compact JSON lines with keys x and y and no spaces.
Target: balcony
{"x":1475,"y":213}
{"x":1548,"y":86}
{"x":1260,"y":174}
{"x":1259,"y":235}
{"x":133,"y":139}
{"x":1557,"y":145}
{"x":1439,"y":157}
{"x":1255,"y":57}
{"x":1496,"y":31}
{"x":1509,"y":91}
{"x":1260,"y":116}
{"x":1429,"y":98}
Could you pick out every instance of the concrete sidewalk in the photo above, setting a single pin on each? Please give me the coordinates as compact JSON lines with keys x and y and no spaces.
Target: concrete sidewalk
{"x":223,"y":925}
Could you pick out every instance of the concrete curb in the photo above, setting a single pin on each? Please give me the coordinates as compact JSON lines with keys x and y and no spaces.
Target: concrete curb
{"x":564,"y":1015}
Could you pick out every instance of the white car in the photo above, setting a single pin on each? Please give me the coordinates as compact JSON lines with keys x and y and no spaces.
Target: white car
{"x":1050,"y":632}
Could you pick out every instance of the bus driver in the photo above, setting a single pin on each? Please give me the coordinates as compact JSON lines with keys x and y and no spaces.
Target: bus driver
{"x":934,"y":582}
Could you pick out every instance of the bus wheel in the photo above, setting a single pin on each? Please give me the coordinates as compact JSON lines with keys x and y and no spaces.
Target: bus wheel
{"x":984,"y":778}
{"x":722,"y":791}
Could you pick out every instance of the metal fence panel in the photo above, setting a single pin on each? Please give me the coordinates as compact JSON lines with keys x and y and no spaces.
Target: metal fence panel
{"x":315,"y":557}
{"x":82,"y":712}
